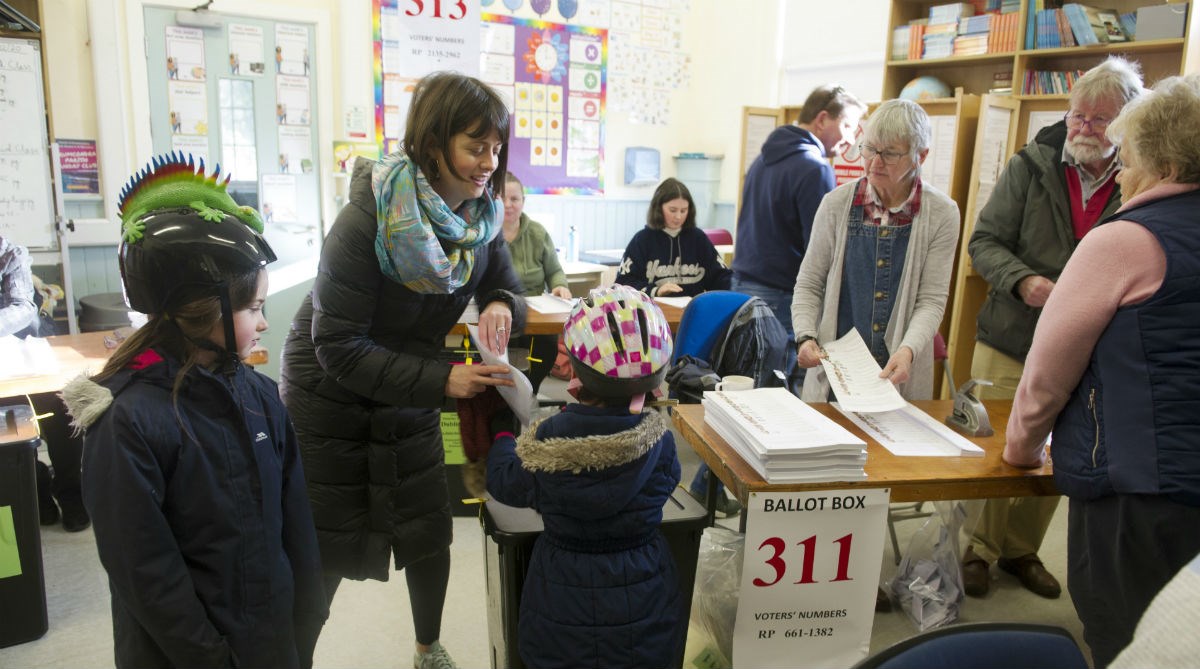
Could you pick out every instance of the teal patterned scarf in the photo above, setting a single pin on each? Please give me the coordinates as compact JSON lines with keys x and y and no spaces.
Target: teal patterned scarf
{"x":419,"y":242}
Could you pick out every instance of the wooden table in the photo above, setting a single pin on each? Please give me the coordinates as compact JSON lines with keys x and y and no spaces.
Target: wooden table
{"x":912,"y":479}
{"x":75,"y":354}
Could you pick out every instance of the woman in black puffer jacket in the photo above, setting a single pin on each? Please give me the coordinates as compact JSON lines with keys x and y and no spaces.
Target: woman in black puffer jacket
{"x":360,"y":370}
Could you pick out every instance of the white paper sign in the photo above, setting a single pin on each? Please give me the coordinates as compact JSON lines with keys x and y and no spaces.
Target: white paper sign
{"x":809,"y":578}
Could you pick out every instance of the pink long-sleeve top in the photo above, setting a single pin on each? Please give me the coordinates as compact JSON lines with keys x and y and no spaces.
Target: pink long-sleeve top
{"x":1115,"y":265}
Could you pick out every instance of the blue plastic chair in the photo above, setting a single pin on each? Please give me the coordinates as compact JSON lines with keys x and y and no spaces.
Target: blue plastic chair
{"x":704,"y":322}
{"x":701,"y":328}
{"x":994,"y":645}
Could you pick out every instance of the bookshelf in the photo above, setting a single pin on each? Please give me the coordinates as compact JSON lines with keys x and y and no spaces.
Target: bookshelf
{"x":1159,"y":58}
{"x":1004,"y":125}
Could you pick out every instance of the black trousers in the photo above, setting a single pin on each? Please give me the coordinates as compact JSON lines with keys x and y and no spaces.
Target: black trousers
{"x":65,"y":449}
{"x":1121,"y":550}
{"x":427,"y":582}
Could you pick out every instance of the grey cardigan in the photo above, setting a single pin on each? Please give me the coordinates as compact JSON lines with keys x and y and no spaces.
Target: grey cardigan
{"x":924,"y":285}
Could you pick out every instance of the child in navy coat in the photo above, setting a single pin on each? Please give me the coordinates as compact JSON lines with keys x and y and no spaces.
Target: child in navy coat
{"x":602,"y":588}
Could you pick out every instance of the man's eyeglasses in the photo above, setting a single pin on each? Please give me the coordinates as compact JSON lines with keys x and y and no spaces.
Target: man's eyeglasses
{"x":888,"y":157}
{"x":1077,"y":121}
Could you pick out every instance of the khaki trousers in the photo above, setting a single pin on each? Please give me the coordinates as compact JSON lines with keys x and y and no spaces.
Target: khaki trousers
{"x":1008,"y":528}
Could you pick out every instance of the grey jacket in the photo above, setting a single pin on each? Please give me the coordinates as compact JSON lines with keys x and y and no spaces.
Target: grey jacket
{"x":924,"y":285}
{"x":1024,"y":230}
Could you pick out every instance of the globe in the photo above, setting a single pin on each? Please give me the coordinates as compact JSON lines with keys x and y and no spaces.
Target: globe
{"x":925,"y":88}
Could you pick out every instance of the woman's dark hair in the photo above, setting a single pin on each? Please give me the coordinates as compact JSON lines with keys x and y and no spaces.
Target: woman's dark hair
{"x":670,"y":189}
{"x":445,"y":104}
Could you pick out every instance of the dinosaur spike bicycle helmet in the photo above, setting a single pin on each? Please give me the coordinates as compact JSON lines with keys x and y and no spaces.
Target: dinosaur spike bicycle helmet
{"x":183,"y":237}
{"x":619,"y":342}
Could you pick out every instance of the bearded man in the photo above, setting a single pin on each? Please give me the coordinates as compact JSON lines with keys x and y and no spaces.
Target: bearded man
{"x":1048,"y":197}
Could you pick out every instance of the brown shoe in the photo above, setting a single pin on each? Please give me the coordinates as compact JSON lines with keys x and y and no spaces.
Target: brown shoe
{"x":1033,"y":575}
{"x":976,"y":579}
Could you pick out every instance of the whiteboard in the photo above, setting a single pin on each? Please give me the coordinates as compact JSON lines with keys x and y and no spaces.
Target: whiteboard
{"x":26,"y":214}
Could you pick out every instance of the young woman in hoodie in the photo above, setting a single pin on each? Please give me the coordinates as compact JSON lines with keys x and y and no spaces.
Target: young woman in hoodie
{"x":671,"y":256}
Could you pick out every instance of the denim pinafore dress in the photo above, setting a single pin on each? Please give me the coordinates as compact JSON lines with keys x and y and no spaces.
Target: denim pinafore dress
{"x":873,"y":263}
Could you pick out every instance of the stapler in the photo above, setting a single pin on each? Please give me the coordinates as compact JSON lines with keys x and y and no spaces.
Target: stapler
{"x":969,"y":416}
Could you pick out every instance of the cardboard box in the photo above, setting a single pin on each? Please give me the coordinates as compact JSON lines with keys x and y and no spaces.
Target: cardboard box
{"x":1166,"y":21}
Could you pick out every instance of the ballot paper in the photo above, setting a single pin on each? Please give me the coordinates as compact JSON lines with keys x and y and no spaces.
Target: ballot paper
{"x":549,"y":304}
{"x":854,"y":376}
{"x":520,"y":397}
{"x":784,"y":439}
{"x":910,"y":431}
{"x":470,"y":314}
{"x":31,"y":356}
{"x":678,"y":302}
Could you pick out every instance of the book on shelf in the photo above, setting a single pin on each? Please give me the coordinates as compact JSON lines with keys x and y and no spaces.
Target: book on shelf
{"x":950,"y":12}
{"x":1065,"y":34}
{"x":1129,"y":24}
{"x":1094,"y":26}
{"x":1040,"y":82}
{"x":900,"y":44}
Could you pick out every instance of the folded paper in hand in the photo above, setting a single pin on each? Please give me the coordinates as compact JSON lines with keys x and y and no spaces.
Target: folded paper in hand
{"x":854,"y":376}
{"x":520,"y":397}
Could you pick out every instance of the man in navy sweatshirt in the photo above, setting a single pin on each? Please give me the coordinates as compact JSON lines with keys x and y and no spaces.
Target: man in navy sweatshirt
{"x":784,"y":186}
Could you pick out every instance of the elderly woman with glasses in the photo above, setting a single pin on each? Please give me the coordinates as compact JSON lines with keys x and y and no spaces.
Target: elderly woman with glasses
{"x":1114,"y":370}
{"x":880,"y":258}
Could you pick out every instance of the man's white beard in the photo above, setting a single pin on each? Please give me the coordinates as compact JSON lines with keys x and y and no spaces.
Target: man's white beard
{"x":1088,"y":150}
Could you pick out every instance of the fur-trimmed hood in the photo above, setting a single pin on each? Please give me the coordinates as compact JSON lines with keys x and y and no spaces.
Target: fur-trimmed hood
{"x":86,"y":401}
{"x":592,"y":452}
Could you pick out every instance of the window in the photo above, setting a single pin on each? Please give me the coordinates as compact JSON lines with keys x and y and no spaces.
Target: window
{"x":238,"y":152}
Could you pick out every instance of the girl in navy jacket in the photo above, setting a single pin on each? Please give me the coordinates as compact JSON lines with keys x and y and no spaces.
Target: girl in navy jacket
{"x":602,"y":588}
{"x":191,"y":470}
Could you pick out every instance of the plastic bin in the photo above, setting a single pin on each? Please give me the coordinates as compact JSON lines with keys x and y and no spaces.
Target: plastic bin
{"x":509,"y":534}
{"x":22,"y":582}
{"x":103,"y":311}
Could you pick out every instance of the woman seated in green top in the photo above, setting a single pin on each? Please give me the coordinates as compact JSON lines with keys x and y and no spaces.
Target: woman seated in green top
{"x":537,"y":265}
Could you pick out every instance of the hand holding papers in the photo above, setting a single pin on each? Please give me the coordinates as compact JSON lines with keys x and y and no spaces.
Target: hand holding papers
{"x":854,"y":376}
{"x":520,"y":397}
{"x":784,"y":439}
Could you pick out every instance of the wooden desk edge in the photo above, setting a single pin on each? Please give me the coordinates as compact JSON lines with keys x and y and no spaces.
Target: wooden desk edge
{"x":742,"y":479}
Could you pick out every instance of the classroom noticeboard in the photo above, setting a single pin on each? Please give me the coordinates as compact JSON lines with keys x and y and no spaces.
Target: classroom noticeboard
{"x":26,"y":214}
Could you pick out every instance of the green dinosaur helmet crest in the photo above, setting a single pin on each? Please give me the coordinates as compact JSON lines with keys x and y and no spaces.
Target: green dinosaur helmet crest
{"x":180,"y":242}
{"x":172,"y":181}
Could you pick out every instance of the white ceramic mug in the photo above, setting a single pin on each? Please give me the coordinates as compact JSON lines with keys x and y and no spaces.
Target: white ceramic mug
{"x":734,"y":382}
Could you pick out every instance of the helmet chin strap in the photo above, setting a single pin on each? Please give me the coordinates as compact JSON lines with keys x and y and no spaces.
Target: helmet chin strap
{"x":228,"y":355}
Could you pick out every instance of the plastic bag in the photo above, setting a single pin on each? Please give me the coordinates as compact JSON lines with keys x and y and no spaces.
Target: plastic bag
{"x":715,"y":599}
{"x":929,"y":584}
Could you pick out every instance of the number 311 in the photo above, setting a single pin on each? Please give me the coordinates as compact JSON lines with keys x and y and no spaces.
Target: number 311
{"x":809,"y":545}
{"x":418,"y":8}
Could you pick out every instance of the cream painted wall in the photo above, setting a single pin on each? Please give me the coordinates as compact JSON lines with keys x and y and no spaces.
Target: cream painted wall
{"x":833,"y":42}
{"x":69,"y":66}
{"x":734,"y":48}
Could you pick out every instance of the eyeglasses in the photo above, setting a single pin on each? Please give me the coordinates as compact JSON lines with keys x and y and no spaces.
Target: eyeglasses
{"x":888,"y":157}
{"x":1077,"y":121}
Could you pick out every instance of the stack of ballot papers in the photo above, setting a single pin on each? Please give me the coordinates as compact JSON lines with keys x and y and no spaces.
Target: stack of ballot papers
{"x":784,"y":439}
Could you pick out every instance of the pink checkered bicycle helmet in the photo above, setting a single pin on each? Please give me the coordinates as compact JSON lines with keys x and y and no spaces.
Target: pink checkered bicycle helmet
{"x":619,"y":342}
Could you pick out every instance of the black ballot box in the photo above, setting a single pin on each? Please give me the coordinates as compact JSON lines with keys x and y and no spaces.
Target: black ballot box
{"x":22,"y":584}
{"x":509,"y":534}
